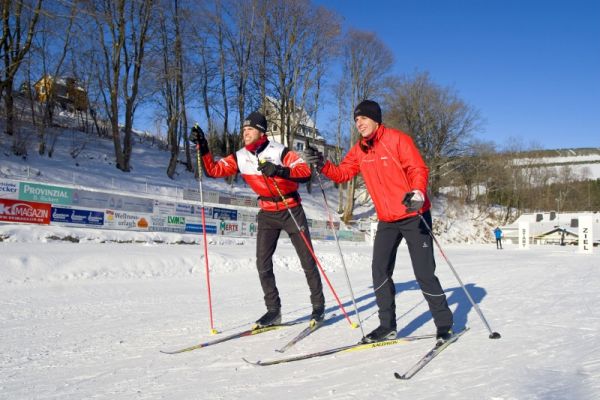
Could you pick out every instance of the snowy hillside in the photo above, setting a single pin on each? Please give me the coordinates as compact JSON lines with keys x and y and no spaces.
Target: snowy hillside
{"x":93,"y":167}
{"x":584,"y":163}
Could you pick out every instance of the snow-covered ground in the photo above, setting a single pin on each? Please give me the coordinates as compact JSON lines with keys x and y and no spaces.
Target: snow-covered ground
{"x":88,"y":320}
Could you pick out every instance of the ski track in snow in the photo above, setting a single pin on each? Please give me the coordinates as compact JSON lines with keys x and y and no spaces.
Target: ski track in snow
{"x":87,"y":321}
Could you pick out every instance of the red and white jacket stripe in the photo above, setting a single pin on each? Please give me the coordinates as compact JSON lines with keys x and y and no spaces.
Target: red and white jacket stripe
{"x":391,"y":166}
{"x":246,"y":163}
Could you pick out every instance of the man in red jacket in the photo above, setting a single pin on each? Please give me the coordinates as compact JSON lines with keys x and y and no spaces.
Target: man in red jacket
{"x":269,"y":168}
{"x":393,"y":170}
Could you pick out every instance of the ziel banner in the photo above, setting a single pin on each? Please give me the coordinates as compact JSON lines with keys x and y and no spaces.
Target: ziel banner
{"x":586,"y":234}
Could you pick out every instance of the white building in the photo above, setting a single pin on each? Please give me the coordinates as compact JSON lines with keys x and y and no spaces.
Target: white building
{"x":552,"y":227}
{"x":305,"y":131}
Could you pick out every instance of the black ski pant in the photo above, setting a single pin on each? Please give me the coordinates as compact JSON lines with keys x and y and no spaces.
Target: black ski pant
{"x":420,"y":247}
{"x":270,"y":225}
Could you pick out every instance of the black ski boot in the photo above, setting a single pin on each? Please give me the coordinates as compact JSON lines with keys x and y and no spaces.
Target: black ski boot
{"x":272,"y":317}
{"x":380,"y":334}
{"x":444,"y":333}
{"x":317,"y":316}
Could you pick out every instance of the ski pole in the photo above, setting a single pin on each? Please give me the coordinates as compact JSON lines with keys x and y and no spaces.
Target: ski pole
{"x":337,"y":241}
{"x":301,"y":231}
{"x":213,"y":331}
{"x":493,"y":335}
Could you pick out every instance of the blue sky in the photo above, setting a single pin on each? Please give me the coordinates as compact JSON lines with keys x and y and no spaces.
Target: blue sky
{"x":532,"y":68}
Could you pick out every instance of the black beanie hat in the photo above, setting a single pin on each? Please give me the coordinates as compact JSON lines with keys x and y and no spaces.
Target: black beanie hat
{"x":370,"y":109}
{"x":256,"y":120}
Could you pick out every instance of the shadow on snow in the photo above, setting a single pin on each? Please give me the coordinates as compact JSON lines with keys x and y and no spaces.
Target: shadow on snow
{"x":456,"y":297}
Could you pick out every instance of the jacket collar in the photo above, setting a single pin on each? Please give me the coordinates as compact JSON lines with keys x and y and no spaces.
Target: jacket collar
{"x":259,"y":145}
{"x":368,"y":142}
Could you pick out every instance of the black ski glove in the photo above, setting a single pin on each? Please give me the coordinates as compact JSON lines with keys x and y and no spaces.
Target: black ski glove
{"x":413,"y":201}
{"x":197,"y":137}
{"x":269,"y":169}
{"x":313,"y":156}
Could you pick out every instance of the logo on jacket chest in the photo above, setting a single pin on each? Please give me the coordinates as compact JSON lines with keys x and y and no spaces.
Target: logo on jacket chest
{"x":265,"y":158}
{"x":383,"y":160}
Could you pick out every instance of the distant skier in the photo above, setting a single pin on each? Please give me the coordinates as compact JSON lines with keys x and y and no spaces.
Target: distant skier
{"x":284,"y":168}
{"x":396,"y":177}
{"x":498,"y":234}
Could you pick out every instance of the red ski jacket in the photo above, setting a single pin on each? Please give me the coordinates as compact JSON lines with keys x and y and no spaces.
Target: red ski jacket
{"x":246,"y":163}
{"x":391,"y":166}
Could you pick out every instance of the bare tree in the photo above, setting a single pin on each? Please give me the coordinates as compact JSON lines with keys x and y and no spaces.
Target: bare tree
{"x":366,"y":63}
{"x":204,"y":77}
{"x":300,"y":38}
{"x":54,"y":47}
{"x":212,"y":68}
{"x":19,"y":21}
{"x":122,"y":32}
{"x":438,"y":120}
{"x":166,"y":65}
{"x":342,"y":125}
{"x":139,"y":16}
{"x":471,"y":171}
{"x":236,"y":38}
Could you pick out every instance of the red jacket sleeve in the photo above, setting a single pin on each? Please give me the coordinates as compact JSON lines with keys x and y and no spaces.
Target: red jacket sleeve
{"x":348,"y":168}
{"x":224,"y":167}
{"x":299,"y":170}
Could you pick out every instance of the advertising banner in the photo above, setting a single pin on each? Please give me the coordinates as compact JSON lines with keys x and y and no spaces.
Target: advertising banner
{"x":175,"y":223}
{"x":208,"y":211}
{"x":208,"y":196}
{"x":45,"y":193}
{"x":24,"y":211}
{"x":163,"y":207}
{"x":103,"y":200}
{"x":224,"y":213}
{"x":230,"y":228}
{"x":244,"y":201}
{"x":9,"y":190}
{"x":184,"y":209}
{"x":248,"y":216}
{"x":197,"y":228}
{"x":76,"y":216}
{"x":126,"y":221}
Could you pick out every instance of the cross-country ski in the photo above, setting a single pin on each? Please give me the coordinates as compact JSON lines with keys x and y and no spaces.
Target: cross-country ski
{"x":430,"y":355}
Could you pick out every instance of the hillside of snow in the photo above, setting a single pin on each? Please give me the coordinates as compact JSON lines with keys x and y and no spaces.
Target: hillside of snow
{"x":84,"y":160}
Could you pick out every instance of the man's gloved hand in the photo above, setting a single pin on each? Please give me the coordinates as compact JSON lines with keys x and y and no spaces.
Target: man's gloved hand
{"x":269,"y":169}
{"x":313,"y":156}
{"x":413,"y":200}
{"x":197,"y":137}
